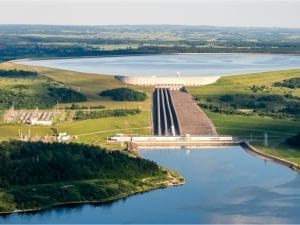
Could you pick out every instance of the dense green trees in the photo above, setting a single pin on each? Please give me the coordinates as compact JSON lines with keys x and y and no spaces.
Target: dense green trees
{"x":289,"y":83}
{"x":75,"y":106}
{"x":65,"y":95}
{"x":83,"y":115}
{"x":38,"y":175}
{"x":21,"y":99}
{"x":23,"y":163}
{"x":17,"y":73}
{"x":124,"y":94}
{"x":294,"y":140}
{"x":24,"y":99}
{"x":276,"y":106}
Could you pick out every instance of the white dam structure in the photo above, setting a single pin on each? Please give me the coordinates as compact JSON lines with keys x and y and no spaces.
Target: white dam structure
{"x":172,"y":81}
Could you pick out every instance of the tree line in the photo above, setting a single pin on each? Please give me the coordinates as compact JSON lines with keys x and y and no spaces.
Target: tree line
{"x":294,"y":140}
{"x":23,"y":163}
{"x":84,"y":115}
{"x":289,"y":83}
{"x":272,"y":105}
{"x":124,"y":94}
{"x":21,"y":98}
{"x":17,"y":73}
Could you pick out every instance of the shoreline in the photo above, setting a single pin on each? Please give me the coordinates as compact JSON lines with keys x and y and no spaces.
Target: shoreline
{"x":19,"y":62}
{"x":171,"y":181}
{"x":259,"y":154}
{"x":145,"y":54}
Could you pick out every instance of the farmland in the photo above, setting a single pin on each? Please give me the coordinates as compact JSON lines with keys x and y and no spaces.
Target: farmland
{"x":31,"y":41}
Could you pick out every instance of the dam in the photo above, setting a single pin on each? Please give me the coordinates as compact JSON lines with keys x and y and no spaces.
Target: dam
{"x":174,"y":112}
{"x":169,"y":81}
{"x":177,"y":120}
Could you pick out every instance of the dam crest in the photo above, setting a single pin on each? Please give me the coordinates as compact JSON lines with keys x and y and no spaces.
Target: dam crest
{"x":171,"y":81}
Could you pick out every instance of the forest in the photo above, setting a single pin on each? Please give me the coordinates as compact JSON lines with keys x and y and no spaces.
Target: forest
{"x":36,"y":175}
{"x":23,"y":163}
{"x":124,"y":94}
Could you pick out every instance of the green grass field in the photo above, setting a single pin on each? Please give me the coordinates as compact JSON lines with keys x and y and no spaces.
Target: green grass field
{"x":93,"y":131}
{"x":243,"y":83}
{"x":253,"y":128}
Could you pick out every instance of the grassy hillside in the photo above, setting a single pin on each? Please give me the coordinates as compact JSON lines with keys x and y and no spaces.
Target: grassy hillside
{"x":252,"y":127}
{"x":32,"y":91}
{"x":90,"y":85}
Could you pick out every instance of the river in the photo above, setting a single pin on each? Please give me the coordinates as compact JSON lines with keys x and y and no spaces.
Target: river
{"x":223,"y":185}
{"x":169,"y":65}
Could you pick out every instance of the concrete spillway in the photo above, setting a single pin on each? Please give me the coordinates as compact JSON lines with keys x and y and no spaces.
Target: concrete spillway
{"x":191,"y":118}
{"x":176,"y":113}
{"x":164,"y":117}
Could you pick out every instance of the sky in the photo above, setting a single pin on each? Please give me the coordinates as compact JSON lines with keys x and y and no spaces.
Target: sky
{"x":245,"y":13}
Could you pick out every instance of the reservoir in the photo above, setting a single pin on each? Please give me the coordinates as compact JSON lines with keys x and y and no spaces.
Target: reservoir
{"x":169,"y":65}
{"x":223,"y":185}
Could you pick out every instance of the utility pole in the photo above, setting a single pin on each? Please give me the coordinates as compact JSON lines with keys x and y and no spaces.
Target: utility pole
{"x":266,"y":140}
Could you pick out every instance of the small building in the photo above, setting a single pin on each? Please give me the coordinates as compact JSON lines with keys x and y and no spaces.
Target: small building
{"x":63,"y":137}
{"x":36,"y":121}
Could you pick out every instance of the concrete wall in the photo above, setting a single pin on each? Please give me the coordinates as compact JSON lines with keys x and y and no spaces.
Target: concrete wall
{"x":170,"y":138}
{"x":153,"y":81}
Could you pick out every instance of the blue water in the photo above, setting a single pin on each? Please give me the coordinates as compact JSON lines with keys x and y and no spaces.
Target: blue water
{"x":223,"y":185}
{"x":169,"y":65}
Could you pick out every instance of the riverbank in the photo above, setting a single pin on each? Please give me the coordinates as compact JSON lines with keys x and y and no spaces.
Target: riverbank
{"x":249,"y":148}
{"x":146,"y":184}
{"x":76,"y":173}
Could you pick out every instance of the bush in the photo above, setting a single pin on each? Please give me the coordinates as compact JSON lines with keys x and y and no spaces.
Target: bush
{"x":294,"y":140}
{"x":124,"y":94}
{"x":65,"y":95}
{"x":75,"y":106}
{"x":17,"y":73}
{"x":226,"y":98}
{"x":84,"y":115}
{"x":290,"y":83}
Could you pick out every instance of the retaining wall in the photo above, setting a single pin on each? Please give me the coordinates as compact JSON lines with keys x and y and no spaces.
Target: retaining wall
{"x":284,"y":162}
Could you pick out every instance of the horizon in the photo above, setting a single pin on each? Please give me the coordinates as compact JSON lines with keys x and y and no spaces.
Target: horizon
{"x":128,"y":25}
{"x":217,"y":13}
